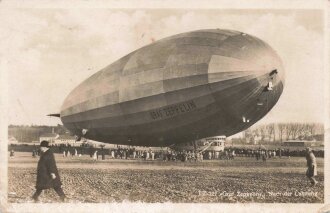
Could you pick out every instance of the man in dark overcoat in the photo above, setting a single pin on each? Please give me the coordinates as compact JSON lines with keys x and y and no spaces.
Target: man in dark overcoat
{"x":311,"y":166}
{"x":47,"y":173}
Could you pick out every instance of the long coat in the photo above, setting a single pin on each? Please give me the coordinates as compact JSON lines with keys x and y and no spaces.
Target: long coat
{"x":311,"y":164}
{"x":46,"y":166}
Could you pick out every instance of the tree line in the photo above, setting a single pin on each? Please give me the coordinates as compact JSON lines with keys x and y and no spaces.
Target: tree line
{"x":29,"y":133}
{"x":279,"y":132}
{"x":273,"y":132}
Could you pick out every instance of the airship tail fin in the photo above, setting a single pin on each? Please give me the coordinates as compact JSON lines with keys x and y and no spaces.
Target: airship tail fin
{"x":54,"y":115}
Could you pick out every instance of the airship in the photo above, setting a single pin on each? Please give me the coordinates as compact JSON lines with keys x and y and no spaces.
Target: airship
{"x":181,"y":88}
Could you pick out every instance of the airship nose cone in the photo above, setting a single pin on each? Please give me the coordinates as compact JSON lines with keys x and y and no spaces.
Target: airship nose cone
{"x":245,"y":55}
{"x":246,"y":77}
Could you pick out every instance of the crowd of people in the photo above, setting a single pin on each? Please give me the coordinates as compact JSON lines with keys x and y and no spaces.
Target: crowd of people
{"x":167,"y":154}
{"x":274,"y":152}
{"x":171,"y":155}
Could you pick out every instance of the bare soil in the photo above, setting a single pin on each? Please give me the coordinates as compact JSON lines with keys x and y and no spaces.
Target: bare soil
{"x":279,"y":180}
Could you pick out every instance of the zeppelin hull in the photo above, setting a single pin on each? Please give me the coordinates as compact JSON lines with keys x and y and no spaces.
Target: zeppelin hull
{"x":185,"y":87}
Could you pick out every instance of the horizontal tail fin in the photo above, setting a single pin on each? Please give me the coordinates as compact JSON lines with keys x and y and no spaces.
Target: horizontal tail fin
{"x":54,"y":115}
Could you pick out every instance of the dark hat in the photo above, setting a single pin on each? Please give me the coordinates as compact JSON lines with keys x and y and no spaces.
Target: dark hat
{"x":44,"y":144}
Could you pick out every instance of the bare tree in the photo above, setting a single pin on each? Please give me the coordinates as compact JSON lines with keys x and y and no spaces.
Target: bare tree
{"x":310,"y":128}
{"x":296,"y":130}
{"x":262,"y":132}
{"x":304,"y":131}
{"x":281,"y":130}
{"x":270,"y":130}
{"x":288,"y":130}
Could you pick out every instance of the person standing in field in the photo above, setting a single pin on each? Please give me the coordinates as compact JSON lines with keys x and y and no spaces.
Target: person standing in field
{"x":311,"y":166}
{"x":47,"y":173}
{"x":12,"y":153}
{"x":95,"y":156}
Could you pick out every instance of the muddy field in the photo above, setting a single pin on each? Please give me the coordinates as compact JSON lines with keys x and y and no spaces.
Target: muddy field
{"x":239,"y":180}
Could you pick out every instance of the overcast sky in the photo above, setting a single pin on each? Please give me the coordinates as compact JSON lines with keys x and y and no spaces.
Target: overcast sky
{"x":48,"y":52}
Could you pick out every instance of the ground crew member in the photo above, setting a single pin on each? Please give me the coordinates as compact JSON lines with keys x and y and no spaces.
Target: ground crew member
{"x":311,"y":166}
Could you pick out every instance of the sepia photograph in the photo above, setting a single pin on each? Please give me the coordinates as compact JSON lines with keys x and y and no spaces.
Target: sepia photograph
{"x":164,"y":105}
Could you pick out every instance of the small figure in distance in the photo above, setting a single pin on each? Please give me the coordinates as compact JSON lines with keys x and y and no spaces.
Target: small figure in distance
{"x":47,"y":173}
{"x":311,"y":166}
{"x":12,"y":153}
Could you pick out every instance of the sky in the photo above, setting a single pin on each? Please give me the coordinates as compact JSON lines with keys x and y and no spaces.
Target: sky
{"x":48,"y":52}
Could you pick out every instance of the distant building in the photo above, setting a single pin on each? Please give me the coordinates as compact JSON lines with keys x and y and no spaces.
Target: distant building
{"x":50,"y":137}
{"x":65,"y":139}
{"x":12,"y":140}
{"x":302,"y":143}
{"x":319,"y":137}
